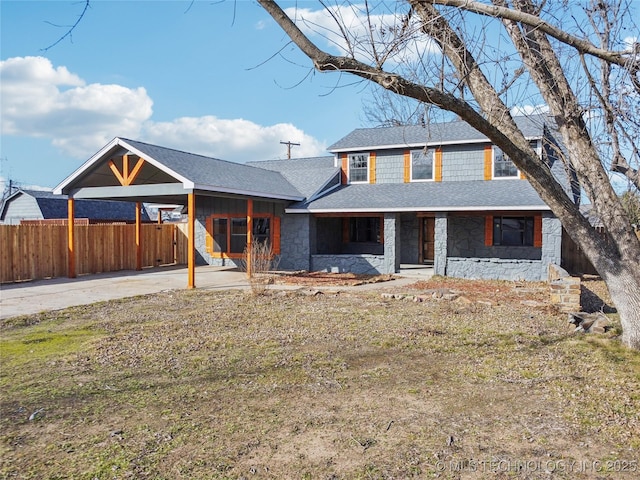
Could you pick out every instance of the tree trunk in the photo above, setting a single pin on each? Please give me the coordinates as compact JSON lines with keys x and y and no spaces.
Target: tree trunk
{"x":624,"y":289}
{"x":615,"y":255}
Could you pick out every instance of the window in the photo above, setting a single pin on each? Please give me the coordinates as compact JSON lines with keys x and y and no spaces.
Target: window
{"x":220,"y":235}
{"x":359,"y":168}
{"x":238,"y":235}
{"x":513,"y":231}
{"x":422,"y":164}
{"x":262,"y":230}
{"x":503,"y":167}
{"x":227,"y":234}
{"x":364,"y":229}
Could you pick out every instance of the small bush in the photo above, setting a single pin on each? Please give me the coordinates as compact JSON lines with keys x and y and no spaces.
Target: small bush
{"x":263,"y":260}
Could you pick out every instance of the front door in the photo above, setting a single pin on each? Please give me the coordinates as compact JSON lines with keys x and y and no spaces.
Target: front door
{"x":427,"y":239}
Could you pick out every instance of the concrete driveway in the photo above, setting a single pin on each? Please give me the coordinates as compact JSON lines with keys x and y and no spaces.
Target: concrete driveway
{"x":36,"y":296}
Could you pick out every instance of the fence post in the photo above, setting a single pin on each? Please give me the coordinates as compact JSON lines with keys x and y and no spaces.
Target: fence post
{"x":138,"y":237}
{"x":191,"y":251}
{"x":71,"y":238}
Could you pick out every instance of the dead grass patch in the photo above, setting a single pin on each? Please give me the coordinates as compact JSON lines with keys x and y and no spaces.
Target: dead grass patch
{"x":198,"y":384}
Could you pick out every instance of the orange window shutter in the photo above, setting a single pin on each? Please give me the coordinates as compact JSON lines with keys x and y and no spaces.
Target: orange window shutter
{"x":407,"y":166}
{"x":276,"y":235}
{"x":537,"y":231}
{"x":438,"y":165}
{"x":488,"y":162}
{"x":372,"y":167}
{"x":344,"y":168}
{"x":209,"y":235}
{"x":488,"y":231}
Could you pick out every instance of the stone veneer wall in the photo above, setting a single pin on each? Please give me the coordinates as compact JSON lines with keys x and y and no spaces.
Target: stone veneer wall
{"x":360,"y":264}
{"x":494,"y":268}
{"x":469,"y":258}
{"x":297,"y":232}
{"x":440,"y":248}
{"x":565,"y":289}
{"x":391,"y":243}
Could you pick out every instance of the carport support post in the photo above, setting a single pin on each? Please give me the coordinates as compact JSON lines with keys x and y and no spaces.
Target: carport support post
{"x":71,"y":251}
{"x":249,"y":235}
{"x":191,"y":245}
{"x":138,"y":236}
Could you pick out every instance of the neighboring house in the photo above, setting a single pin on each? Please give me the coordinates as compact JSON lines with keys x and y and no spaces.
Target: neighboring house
{"x":38,"y":206}
{"x":440,"y":195}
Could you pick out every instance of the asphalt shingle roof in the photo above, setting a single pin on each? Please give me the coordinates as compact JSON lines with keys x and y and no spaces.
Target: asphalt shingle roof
{"x":211,"y":173}
{"x":307,"y":175}
{"x":55,"y":206}
{"x":437,"y":133}
{"x":427,"y":196}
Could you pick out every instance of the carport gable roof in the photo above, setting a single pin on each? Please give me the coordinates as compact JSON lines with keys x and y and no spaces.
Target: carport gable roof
{"x":194,"y":172}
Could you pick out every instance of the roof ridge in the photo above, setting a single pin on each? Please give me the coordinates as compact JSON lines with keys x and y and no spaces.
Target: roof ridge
{"x":185,"y":152}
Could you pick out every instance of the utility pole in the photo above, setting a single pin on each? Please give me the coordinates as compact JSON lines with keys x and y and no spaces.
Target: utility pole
{"x":289,"y":144}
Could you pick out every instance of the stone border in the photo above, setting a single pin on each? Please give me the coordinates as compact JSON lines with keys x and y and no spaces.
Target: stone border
{"x":564,"y":289}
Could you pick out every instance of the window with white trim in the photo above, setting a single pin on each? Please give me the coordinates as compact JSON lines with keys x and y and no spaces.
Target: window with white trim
{"x":503,"y":167}
{"x":359,"y":168}
{"x":422,"y":164}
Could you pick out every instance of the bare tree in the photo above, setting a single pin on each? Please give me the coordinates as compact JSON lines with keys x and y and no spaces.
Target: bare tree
{"x":479,"y":60}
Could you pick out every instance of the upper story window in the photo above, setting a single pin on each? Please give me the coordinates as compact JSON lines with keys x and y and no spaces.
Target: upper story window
{"x":503,"y":167}
{"x":359,"y":168}
{"x":422,"y":164}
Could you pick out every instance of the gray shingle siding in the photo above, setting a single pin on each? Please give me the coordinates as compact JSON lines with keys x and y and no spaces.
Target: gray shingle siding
{"x":463,"y":162}
{"x":390,"y":166}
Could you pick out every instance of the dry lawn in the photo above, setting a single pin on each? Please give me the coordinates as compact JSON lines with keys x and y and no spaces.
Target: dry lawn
{"x":216,"y":385}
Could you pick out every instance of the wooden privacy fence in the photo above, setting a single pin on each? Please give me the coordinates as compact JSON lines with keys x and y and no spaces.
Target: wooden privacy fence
{"x":29,"y":252}
{"x":574,"y":259}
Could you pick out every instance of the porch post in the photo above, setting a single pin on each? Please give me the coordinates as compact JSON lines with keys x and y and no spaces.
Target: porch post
{"x":191,"y":241}
{"x":138,"y":236}
{"x":249,"y":235}
{"x":391,"y":236}
{"x":440,"y":248}
{"x":71,"y":251}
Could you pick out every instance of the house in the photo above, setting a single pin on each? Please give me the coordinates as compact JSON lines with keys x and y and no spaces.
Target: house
{"x":39,"y":206}
{"x":440,"y":194}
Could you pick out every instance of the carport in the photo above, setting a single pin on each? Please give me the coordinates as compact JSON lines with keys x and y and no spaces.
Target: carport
{"x":128,"y":170}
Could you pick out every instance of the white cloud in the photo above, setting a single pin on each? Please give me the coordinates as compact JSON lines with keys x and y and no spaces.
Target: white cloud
{"x":236,"y":139}
{"x":39,"y":100}
{"x":519,"y":110}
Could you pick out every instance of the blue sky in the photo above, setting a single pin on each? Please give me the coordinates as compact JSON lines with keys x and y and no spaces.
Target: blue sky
{"x":194,"y":76}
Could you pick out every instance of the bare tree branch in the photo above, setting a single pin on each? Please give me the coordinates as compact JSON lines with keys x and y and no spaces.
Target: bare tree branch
{"x":624,"y":58}
{"x":71,"y":28}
